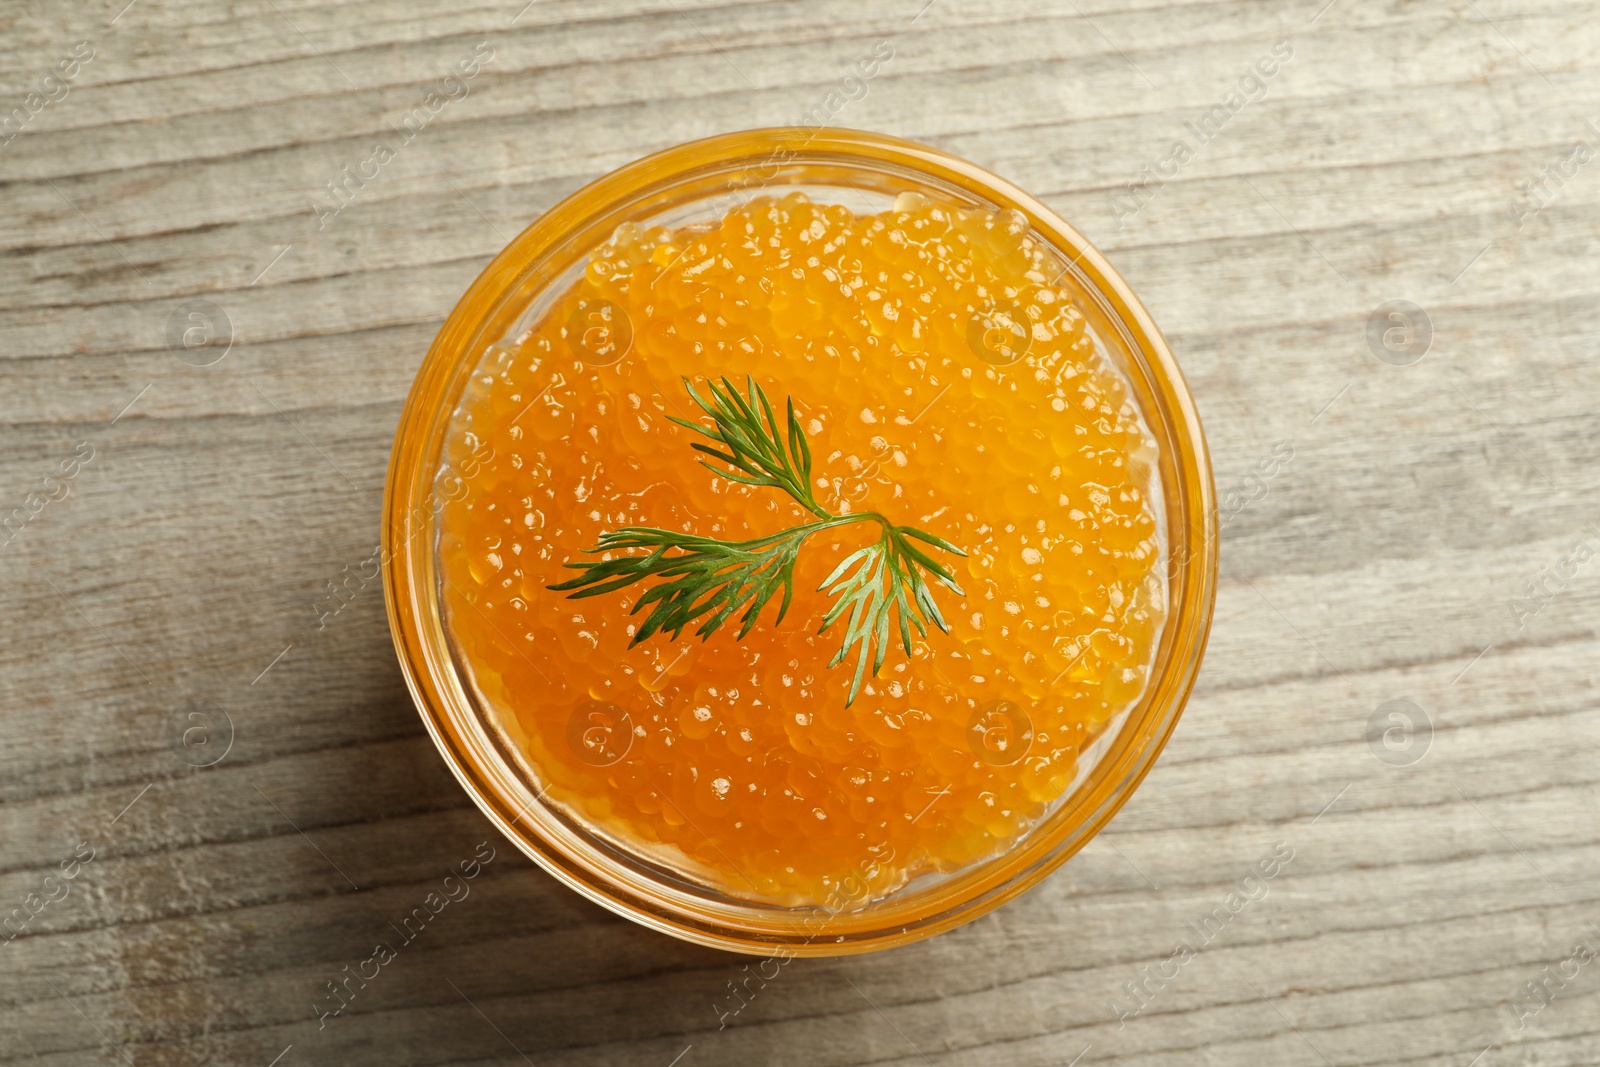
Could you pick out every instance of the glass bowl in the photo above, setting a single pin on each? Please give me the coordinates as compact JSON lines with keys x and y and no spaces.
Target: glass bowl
{"x":700,"y":181}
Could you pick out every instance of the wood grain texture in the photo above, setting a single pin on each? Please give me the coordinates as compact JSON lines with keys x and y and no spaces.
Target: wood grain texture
{"x":176,"y":582}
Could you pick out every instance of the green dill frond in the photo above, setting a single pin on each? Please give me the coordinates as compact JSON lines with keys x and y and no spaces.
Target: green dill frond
{"x":704,"y":580}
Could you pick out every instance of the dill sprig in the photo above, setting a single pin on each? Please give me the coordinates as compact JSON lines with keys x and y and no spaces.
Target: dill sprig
{"x":706,"y":580}
{"x":754,"y":449}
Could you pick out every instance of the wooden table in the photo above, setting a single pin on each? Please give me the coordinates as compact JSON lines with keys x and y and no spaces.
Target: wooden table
{"x":248,"y":773}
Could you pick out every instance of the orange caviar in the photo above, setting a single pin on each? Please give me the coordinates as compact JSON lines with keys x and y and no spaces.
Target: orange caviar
{"x":941,"y":379}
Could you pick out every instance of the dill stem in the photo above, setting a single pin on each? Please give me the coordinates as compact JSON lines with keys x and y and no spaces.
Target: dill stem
{"x":830,"y":521}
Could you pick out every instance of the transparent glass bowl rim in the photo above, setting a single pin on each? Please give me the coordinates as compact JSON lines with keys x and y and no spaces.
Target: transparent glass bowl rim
{"x":772,"y":159}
